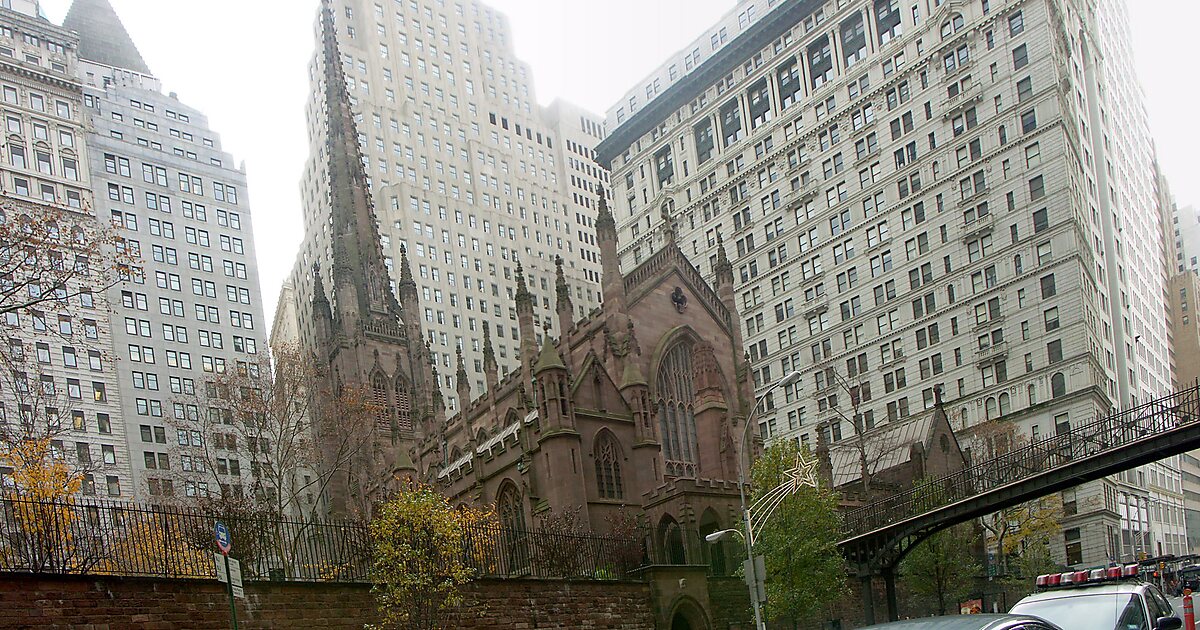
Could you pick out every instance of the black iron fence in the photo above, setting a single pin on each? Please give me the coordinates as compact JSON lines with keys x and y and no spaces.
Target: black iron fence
{"x":128,"y":539}
{"x":1068,"y":444}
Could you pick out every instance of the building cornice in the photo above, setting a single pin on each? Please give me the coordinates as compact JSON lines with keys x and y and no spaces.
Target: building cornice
{"x":770,"y":27}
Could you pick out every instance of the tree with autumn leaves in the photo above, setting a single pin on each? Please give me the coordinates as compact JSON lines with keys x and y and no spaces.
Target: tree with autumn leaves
{"x":422,"y":547}
{"x":1020,"y":535}
{"x":49,"y":256}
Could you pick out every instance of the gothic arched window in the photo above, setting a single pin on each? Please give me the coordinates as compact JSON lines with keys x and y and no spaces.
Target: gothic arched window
{"x":670,"y":537}
{"x":512,"y":533}
{"x":403,"y":407}
{"x":676,"y":410}
{"x":608,"y":467}
{"x":512,"y":517}
{"x":379,"y":398}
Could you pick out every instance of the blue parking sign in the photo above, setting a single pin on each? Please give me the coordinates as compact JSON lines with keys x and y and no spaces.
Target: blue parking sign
{"x":224,"y":541}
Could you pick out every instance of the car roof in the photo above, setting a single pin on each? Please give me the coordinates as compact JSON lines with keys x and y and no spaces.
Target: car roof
{"x":1095,"y":589}
{"x":960,"y":622}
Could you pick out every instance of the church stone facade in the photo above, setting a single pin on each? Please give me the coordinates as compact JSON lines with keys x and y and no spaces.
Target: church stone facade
{"x":638,"y":406}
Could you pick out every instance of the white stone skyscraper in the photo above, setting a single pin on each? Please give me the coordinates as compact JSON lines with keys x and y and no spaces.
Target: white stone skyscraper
{"x":195,"y":309}
{"x":59,"y":378}
{"x":466,"y":171}
{"x":923,"y":195}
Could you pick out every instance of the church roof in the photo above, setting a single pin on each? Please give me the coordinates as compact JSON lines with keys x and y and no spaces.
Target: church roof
{"x":887,"y":447}
{"x":102,"y":36}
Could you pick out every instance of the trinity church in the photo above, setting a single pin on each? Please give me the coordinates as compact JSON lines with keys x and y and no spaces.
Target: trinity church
{"x":638,"y":407}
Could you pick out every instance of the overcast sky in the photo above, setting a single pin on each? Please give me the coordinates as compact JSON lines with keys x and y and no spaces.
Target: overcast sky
{"x":242,"y":62}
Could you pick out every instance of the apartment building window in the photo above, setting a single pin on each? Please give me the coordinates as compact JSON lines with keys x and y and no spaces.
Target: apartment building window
{"x":1074,"y":545}
{"x":1037,"y":188}
{"x":956,"y":58}
{"x":820,"y":62}
{"x":1016,"y":24}
{"x":790,"y":91}
{"x":1054,"y":351}
{"x":664,"y":166}
{"x":887,"y":20}
{"x":759,"y":104}
{"x":703,"y":135}
{"x":1020,"y":57}
{"x":1029,"y":121}
{"x":1048,"y":287}
{"x":854,"y":40}
{"x":731,"y":122}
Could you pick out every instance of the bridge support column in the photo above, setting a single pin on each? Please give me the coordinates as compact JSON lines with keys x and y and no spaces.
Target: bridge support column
{"x":889,"y":582}
{"x":868,"y":599}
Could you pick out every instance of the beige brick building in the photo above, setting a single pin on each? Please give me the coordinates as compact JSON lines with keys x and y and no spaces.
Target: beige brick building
{"x":466,"y":171}
{"x":61,"y":376}
{"x":920,"y":195}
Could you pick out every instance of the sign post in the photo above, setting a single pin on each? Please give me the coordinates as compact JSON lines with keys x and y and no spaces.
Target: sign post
{"x":225,"y":543}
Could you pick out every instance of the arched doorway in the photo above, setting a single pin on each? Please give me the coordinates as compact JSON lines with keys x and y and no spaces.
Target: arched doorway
{"x":688,"y":615}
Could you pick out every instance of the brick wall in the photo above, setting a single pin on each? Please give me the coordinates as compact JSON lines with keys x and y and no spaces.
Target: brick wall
{"x":730,"y":601}
{"x":61,"y":602}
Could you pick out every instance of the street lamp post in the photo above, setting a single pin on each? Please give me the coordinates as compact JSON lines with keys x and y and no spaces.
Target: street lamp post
{"x":748,"y":537}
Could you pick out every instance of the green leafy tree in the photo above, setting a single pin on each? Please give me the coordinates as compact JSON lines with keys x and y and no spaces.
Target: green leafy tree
{"x":805,"y":570}
{"x":941,"y":568}
{"x":421,"y":549}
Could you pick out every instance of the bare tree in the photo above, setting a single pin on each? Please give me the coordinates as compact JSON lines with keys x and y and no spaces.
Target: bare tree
{"x":296,"y":433}
{"x":870,"y":446}
{"x":53,"y":255}
{"x":282,"y":417}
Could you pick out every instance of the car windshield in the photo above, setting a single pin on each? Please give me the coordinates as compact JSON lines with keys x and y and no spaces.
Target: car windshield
{"x":1101,"y":611}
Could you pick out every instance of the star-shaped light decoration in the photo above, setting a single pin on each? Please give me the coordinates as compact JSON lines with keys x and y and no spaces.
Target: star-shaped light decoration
{"x":803,"y":473}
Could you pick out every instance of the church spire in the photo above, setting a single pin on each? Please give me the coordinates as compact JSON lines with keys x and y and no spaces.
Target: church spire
{"x":562,"y":299}
{"x":360,"y":278}
{"x":524,"y":301}
{"x":462,"y":382}
{"x":490,"y":368}
{"x":611,"y":282}
{"x":723,"y":269}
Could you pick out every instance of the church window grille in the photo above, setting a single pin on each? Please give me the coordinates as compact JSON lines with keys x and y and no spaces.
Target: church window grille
{"x":676,"y":411}
{"x":608,"y":468}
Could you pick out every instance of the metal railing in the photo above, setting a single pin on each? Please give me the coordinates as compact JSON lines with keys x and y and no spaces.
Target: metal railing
{"x":1068,"y":445}
{"x":127,"y":539}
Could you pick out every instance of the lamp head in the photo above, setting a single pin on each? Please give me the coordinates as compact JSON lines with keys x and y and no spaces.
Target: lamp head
{"x":790,"y":378}
{"x":718,"y":536}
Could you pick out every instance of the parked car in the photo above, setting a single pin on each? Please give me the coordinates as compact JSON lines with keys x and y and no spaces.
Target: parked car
{"x":970,"y":622}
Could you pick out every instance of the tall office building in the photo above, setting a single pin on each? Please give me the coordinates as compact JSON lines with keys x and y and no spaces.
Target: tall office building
{"x":466,"y":171}
{"x":922,"y":195}
{"x":60,"y":379}
{"x":195,"y":310}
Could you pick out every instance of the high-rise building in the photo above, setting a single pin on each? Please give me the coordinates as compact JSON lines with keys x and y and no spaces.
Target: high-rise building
{"x":923,"y":196}
{"x":60,"y":379}
{"x":1185,"y":229}
{"x":466,"y":171}
{"x":194,"y":310}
